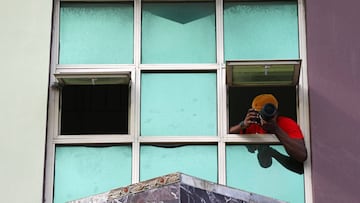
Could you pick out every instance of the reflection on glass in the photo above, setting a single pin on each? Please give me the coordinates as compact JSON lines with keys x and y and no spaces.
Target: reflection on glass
{"x":180,"y":32}
{"x":96,"y":33}
{"x":266,"y":170}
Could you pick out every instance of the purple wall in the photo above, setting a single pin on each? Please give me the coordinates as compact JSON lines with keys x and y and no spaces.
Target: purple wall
{"x":333,"y":32}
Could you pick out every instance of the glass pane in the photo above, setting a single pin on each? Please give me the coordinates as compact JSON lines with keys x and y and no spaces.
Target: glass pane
{"x":274,"y":74}
{"x":178,"y":32}
{"x":85,"y":171}
{"x":260,"y":30}
{"x":96,"y":33}
{"x":174,"y":104}
{"x":265,"y":170}
{"x":93,"y":79}
{"x":196,"y":160}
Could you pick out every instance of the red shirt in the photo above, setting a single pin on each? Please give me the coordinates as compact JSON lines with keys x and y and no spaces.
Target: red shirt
{"x":286,"y":124}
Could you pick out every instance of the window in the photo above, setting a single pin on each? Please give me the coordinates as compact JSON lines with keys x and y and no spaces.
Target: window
{"x":263,"y":73}
{"x":96,"y":105}
{"x":260,"y":56}
{"x":178,"y":32}
{"x":178,"y":104}
{"x":93,"y":168}
{"x":247,"y":79}
{"x":91,"y":109}
{"x":139,"y":89}
{"x":260,"y":30}
{"x":258,"y":38}
{"x":240,"y":99}
{"x":96,"y":33}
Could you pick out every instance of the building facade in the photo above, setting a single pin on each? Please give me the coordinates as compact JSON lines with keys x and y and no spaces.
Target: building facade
{"x":120,"y":92}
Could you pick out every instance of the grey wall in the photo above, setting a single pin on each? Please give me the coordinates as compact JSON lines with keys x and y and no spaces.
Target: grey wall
{"x":25,"y":28}
{"x":334,"y":81}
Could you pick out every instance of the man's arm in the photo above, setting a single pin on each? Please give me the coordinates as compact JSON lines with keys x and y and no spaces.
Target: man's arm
{"x":235,"y":128}
{"x":294,"y":147}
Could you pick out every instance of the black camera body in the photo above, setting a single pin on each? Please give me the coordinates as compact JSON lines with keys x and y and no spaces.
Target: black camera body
{"x":257,"y":118}
{"x":267,"y":113}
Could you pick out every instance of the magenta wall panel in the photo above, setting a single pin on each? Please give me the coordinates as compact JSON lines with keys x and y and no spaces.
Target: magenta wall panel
{"x":333,"y":51}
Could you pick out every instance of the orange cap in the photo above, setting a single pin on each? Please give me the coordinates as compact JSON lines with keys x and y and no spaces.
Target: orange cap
{"x":262,"y":99}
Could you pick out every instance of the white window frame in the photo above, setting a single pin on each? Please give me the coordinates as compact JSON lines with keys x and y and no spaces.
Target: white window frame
{"x":133,"y":137}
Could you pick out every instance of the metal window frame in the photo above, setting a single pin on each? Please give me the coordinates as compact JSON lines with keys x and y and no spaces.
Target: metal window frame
{"x":233,"y":65}
{"x":135,"y":70}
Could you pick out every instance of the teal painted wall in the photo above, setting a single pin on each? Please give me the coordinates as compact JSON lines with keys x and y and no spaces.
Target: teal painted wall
{"x":178,"y":104}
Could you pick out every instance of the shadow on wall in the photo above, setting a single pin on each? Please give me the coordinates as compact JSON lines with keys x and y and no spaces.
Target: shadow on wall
{"x":265,"y":153}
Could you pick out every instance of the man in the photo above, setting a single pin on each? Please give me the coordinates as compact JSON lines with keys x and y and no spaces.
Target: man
{"x":263,"y":118}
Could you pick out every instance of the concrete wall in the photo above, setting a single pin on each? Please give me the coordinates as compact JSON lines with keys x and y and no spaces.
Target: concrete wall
{"x":24,"y":61}
{"x":334,"y":79}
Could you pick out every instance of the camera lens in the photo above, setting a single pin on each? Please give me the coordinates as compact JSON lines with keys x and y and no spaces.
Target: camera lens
{"x":268,"y":112}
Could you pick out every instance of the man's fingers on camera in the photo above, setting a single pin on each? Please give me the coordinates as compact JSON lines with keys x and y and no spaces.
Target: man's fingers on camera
{"x":252,"y":114}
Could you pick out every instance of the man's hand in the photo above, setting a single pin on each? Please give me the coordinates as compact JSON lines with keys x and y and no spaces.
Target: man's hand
{"x":270,"y":126}
{"x":252,"y":117}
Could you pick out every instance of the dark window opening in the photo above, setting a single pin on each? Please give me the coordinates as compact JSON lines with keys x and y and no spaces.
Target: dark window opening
{"x":240,"y":99}
{"x":94,"y":109}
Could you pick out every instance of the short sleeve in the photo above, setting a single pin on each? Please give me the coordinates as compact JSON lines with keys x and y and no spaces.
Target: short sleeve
{"x":290,"y":127}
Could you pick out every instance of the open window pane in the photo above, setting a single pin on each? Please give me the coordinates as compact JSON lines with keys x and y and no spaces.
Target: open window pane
{"x":260,"y":30}
{"x":240,"y":99}
{"x":94,"y":109}
{"x":265,"y":170}
{"x":178,"y":32}
{"x":263,"y":73}
{"x":96,"y":33}
{"x":79,"y":78}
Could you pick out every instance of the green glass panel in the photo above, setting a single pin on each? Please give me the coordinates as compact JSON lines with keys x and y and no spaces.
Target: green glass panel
{"x":96,"y":33}
{"x":178,"y":32}
{"x":253,"y":169}
{"x":111,"y":80}
{"x":276,"y":74}
{"x":85,"y":171}
{"x":178,"y":104}
{"x":260,"y":30}
{"x":196,"y":160}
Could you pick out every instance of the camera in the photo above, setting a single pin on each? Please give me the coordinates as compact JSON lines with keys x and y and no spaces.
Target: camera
{"x":257,"y":118}
{"x":268,"y":112}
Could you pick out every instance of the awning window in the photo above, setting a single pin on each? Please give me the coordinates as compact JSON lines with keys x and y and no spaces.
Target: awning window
{"x":263,"y":73}
{"x":93,"y":78}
